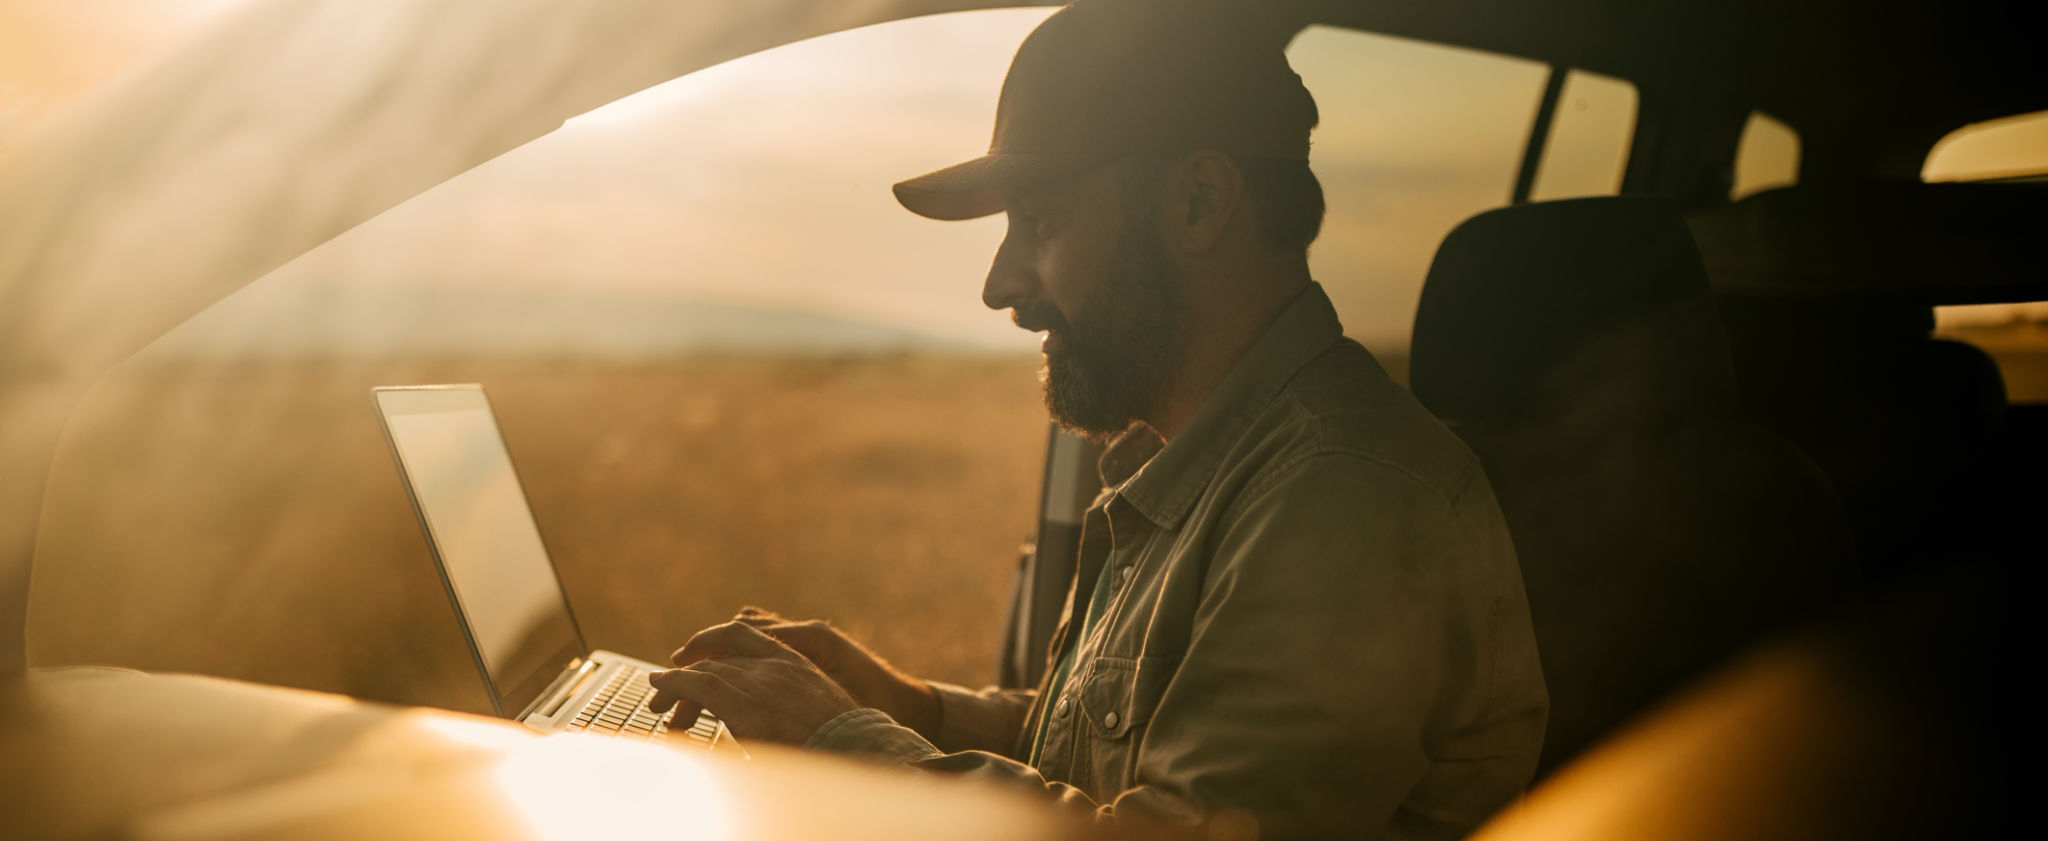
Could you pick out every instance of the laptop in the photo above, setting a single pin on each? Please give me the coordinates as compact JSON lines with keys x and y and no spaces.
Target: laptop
{"x":482,"y":536}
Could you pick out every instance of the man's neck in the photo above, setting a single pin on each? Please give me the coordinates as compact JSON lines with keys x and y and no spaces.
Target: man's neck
{"x":1220,"y":331}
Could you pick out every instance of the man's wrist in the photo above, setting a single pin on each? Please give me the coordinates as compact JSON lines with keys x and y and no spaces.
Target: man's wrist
{"x":919,"y":708}
{"x":871,"y":734}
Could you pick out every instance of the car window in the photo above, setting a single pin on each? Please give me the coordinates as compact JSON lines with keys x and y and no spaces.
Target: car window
{"x":1590,"y":134}
{"x":729,"y":368}
{"x":2013,"y":335}
{"x":1766,"y":157}
{"x":54,"y":54}
{"x":1415,"y":138}
{"x":2013,"y":148}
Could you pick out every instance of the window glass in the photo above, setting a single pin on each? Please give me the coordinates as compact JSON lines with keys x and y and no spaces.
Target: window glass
{"x":54,"y":54}
{"x":1767,"y":157}
{"x":2015,"y":335}
{"x":2014,"y":147}
{"x":1415,"y":138}
{"x":729,"y":368}
{"x":1589,"y":139}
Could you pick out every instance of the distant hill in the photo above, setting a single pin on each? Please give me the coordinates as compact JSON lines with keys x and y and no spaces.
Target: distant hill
{"x":516,"y":321}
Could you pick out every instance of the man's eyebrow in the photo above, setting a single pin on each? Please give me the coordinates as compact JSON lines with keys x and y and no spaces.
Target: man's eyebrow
{"x":1038,"y":196}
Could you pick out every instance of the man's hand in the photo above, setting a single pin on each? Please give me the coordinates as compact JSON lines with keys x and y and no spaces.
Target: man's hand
{"x":869,"y":678}
{"x":763,"y":690}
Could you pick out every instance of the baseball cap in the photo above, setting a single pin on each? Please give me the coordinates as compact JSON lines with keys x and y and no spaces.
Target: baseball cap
{"x":1107,"y":79}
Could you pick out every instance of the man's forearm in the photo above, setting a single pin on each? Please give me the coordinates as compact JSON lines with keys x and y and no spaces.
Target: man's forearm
{"x":989,"y":720}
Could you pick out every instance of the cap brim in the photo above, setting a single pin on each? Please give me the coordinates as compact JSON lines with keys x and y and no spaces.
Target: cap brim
{"x":976,"y":188}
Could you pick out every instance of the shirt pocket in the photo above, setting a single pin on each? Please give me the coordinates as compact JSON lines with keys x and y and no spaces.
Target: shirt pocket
{"x":1117,"y":698}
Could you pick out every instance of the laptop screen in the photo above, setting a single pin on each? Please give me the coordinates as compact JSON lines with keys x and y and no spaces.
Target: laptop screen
{"x":483,"y":538}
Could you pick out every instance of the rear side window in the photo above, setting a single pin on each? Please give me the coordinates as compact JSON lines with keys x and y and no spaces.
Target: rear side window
{"x":1415,"y":138}
{"x":1767,"y":157}
{"x":2011,"y":149}
{"x":2014,"y":335}
{"x":1590,"y":133}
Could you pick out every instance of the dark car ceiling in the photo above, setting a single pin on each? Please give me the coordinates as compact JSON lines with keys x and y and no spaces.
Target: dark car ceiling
{"x":1865,"y":83}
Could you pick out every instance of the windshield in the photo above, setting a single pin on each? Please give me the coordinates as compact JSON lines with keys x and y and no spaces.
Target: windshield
{"x":729,"y":369}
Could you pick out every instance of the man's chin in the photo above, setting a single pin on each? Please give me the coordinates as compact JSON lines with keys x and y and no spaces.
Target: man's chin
{"x":1078,"y":410}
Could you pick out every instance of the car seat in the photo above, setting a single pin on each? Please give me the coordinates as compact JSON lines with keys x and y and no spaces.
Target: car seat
{"x":1576,"y":347}
{"x":1828,"y":294}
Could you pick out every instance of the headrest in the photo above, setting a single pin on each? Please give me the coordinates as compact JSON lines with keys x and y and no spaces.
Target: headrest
{"x":1924,"y":244}
{"x":1541,"y":301}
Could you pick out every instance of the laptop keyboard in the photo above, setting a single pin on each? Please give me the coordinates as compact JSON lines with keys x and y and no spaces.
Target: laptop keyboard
{"x":620,"y":710}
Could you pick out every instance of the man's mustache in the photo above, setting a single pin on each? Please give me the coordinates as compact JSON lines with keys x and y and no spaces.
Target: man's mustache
{"x":1039,"y":317}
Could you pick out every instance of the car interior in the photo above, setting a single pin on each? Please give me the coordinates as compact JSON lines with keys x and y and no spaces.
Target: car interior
{"x":1777,"y":515}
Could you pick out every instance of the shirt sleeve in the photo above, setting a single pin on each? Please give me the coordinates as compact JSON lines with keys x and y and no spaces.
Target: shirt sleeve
{"x":990,"y":720}
{"x":1343,"y":620}
{"x":872,"y":735}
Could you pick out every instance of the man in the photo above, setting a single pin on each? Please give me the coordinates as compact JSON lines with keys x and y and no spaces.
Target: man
{"x":1296,"y":601}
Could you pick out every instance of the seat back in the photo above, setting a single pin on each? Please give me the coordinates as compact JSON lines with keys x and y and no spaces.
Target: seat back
{"x":1828,"y":293}
{"x":1576,"y":347}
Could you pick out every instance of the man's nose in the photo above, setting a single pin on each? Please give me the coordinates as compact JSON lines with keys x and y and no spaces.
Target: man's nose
{"x":1010,"y":282}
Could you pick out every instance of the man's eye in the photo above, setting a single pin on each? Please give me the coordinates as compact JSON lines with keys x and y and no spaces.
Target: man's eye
{"x":1031,"y":222}
{"x":1040,"y":227}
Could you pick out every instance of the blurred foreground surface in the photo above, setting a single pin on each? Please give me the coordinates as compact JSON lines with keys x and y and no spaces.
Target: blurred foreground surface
{"x":91,"y":753}
{"x":1887,"y":722}
{"x":246,"y":520}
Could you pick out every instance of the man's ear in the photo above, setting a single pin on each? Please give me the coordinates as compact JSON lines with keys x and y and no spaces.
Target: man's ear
{"x":1209,"y":190}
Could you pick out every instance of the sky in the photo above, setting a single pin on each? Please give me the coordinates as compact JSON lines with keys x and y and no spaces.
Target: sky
{"x":756,"y":192}
{"x":55,"y":51}
{"x":747,"y":204}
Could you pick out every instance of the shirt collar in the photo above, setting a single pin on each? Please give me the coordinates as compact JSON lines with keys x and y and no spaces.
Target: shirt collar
{"x":1163,"y":482}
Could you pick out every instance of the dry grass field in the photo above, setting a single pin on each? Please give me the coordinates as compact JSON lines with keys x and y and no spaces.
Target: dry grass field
{"x":247,"y":521}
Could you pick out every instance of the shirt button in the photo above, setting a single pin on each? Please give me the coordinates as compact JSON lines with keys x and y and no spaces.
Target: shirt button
{"x":1109,"y":721}
{"x":1123,"y":575}
{"x":1060,"y":708}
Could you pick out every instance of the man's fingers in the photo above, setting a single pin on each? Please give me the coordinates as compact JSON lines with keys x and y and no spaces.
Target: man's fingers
{"x":664,"y":699}
{"x":734,"y":638}
{"x":748,"y":641}
{"x":685,"y":709}
{"x":700,"y":688}
{"x":735,"y":674}
{"x":806,"y":637}
{"x":766,"y":620}
{"x":801,"y":636}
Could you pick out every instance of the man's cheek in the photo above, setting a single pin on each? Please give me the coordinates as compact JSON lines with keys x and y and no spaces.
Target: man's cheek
{"x":1064,"y":280}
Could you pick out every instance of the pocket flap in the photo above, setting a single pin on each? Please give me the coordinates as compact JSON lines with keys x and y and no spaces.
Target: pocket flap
{"x":1118,"y":694}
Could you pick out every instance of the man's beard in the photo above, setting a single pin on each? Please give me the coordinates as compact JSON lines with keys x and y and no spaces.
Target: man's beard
{"x":1121,"y":350}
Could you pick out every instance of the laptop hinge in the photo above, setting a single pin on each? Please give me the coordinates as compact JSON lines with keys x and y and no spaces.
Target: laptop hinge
{"x":580,"y":668}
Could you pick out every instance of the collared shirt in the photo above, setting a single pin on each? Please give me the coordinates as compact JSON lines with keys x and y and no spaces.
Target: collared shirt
{"x":1056,"y":684}
{"x":1313,"y":616}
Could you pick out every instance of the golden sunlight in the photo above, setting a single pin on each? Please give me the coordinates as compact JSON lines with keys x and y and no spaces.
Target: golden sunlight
{"x":54,"y":53}
{"x":2010,"y":147}
{"x":575,"y":787}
